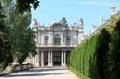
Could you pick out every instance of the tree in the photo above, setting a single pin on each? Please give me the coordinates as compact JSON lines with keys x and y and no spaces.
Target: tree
{"x":16,"y":36}
{"x":22,"y":38}
{"x":25,"y":5}
{"x":6,"y":55}
{"x":101,"y":53}
{"x":114,"y":53}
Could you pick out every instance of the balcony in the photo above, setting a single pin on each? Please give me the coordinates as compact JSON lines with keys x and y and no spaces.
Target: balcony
{"x":54,"y":45}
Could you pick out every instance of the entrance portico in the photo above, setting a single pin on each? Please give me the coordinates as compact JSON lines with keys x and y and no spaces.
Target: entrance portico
{"x":52,"y":57}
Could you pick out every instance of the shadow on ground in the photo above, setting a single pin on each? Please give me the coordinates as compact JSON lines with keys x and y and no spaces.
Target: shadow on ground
{"x":38,"y":71}
{"x":34,"y":74}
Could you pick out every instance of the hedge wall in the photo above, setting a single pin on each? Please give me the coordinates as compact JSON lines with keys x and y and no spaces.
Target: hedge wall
{"x":81,"y":57}
{"x":98,"y":56}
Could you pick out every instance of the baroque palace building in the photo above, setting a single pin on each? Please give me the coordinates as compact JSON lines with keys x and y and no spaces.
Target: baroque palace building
{"x":55,"y":42}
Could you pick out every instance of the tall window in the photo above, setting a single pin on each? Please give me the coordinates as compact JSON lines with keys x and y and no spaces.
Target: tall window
{"x":46,"y":40}
{"x":68,"y":41}
{"x":57,"y":39}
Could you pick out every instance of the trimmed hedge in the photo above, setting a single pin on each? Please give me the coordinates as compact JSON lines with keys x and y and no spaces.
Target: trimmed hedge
{"x":81,"y":57}
{"x":98,"y":56}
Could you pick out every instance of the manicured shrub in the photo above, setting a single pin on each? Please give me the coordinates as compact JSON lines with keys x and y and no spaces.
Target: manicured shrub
{"x":114,"y":53}
{"x":98,"y":57}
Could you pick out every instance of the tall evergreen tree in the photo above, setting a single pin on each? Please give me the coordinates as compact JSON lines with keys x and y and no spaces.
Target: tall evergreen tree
{"x":114,"y":53}
{"x":101,"y":53}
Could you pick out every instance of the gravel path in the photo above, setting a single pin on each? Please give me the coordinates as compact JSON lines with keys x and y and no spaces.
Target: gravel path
{"x":55,"y":72}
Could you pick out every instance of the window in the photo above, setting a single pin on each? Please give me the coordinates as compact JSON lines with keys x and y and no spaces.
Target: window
{"x":68,"y":42}
{"x":46,"y":40}
{"x":57,"y":39}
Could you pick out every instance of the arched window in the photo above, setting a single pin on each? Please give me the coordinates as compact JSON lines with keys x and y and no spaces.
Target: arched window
{"x":68,"y":41}
{"x":46,"y":40}
{"x":57,"y":39}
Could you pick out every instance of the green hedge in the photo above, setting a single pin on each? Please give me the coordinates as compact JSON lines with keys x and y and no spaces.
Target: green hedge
{"x":81,"y":57}
{"x":99,"y":56}
{"x":114,"y":53}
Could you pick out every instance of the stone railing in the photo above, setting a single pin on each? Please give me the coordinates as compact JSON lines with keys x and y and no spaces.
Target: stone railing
{"x":54,"y":45}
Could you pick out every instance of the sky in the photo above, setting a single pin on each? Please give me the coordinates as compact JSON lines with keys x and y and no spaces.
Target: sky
{"x":73,"y":10}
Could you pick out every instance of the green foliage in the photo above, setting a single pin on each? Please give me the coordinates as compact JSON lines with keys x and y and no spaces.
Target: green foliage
{"x":6,"y":56}
{"x":25,"y":5}
{"x":114,"y":53}
{"x":98,"y":56}
{"x":22,"y":38}
{"x":80,"y":75}
{"x":82,"y":56}
{"x":101,"y":54}
{"x":16,"y":37}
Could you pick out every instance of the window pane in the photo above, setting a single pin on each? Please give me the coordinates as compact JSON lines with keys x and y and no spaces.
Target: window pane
{"x":57,"y":39}
{"x":68,"y":41}
{"x":46,"y":39}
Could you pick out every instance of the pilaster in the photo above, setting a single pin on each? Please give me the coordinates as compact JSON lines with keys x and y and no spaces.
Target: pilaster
{"x":42,"y":58}
{"x":63,"y":57}
{"x":50,"y":58}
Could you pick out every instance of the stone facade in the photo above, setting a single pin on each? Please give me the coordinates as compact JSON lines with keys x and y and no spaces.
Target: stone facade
{"x":55,"y":42}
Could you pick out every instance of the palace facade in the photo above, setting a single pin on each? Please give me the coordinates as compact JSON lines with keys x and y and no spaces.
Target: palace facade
{"x":55,"y":42}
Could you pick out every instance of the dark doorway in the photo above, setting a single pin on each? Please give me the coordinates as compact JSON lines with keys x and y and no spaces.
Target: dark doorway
{"x":46,"y":61}
{"x":57,"y":60}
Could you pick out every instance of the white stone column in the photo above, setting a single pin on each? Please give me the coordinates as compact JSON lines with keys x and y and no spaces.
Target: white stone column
{"x":36,"y":59}
{"x":33,"y":60}
{"x":64,"y":58}
{"x":49,"y":58}
{"x":42,"y":58}
{"x":62,"y":62}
